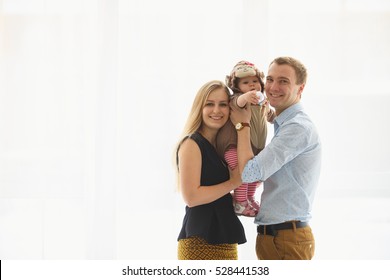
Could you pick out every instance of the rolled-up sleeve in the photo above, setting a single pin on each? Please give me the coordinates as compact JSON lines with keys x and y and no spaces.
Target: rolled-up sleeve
{"x":252,"y":172}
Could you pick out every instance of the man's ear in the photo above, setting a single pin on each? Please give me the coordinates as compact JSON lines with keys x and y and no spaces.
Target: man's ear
{"x":300,"y":90}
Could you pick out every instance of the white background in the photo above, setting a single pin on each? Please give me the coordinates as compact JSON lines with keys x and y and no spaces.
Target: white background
{"x":94,"y":96}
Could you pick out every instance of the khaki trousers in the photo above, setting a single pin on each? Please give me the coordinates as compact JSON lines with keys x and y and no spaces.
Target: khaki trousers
{"x":288,"y":244}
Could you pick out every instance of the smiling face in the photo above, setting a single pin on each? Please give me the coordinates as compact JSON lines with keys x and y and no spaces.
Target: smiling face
{"x":281,"y":87}
{"x":216,"y":110}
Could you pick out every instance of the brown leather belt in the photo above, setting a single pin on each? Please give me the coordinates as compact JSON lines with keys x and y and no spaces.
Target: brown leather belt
{"x":273,"y":229}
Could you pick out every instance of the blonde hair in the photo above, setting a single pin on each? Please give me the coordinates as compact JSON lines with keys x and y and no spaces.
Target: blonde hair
{"x":194,"y":120}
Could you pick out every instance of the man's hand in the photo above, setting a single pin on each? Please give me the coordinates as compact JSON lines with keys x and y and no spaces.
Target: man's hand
{"x":240,"y":115}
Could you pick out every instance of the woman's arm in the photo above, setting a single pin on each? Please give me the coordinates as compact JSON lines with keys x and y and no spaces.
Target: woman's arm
{"x":244,"y":149}
{"x":190,"y":164}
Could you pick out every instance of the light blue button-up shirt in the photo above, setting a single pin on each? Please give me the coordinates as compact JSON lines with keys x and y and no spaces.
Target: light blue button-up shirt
{"x":290,"y":168}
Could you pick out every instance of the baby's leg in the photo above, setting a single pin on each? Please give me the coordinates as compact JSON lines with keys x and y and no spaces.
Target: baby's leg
{"x":252,"y":189}
{"x":242,"y":206}
{"x":251,"y":195}
{"x":231,"y":157}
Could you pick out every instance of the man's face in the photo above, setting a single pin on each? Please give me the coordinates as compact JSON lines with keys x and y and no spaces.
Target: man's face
{"x":281,"y":88}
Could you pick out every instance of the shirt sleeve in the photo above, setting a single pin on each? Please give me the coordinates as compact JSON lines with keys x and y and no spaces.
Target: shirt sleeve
{"x":252,"y":172}
{"x":282,"y":149}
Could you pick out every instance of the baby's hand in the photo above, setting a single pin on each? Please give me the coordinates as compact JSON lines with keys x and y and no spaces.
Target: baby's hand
{"x":251,"y":97}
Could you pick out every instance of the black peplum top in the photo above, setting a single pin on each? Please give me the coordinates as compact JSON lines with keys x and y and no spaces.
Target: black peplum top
{"x":216,"y":222}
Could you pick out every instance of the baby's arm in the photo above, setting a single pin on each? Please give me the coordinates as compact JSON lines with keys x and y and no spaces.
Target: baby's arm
{"x":248,"y":97}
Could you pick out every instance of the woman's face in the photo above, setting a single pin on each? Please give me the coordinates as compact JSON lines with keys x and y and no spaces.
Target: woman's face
{"x":216,"y":110}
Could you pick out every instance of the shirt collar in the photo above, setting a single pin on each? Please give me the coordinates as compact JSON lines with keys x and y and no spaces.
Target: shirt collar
{"x":287,"y":113}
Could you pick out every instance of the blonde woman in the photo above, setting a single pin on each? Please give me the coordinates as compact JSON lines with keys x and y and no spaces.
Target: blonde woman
{"x":211,"y":229}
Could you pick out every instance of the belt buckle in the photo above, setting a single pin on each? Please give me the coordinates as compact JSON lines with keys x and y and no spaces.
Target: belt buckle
{"x":271,"y":231}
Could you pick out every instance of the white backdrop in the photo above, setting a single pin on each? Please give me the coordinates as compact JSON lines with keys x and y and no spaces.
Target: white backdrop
{"x":94,"y":95}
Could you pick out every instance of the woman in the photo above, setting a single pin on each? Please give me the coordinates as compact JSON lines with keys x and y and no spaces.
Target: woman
{"x":211,"y":229}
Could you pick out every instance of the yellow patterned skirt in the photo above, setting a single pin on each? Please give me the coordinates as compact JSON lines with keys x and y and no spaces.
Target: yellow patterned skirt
{"x":196,"y":248}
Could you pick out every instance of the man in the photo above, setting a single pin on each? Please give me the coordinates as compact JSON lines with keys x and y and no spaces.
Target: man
{"x":289,"y":166}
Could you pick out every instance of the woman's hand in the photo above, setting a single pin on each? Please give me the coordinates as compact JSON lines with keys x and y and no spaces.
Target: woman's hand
{"x":235,"y":177}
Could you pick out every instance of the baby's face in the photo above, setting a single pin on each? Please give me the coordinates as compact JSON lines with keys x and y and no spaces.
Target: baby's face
{"x":249,"y":83}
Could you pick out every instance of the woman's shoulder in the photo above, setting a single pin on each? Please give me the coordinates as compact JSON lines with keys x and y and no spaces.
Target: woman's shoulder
{"x":190,"y":142}
{"x":187,"y":149}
